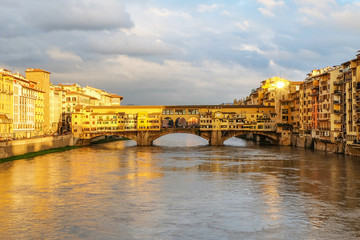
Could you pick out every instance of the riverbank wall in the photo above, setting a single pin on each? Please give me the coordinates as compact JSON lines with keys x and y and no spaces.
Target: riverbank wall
{"x":313,"y":143}
{"x":24,"y":146}
{"x":331,"y":147}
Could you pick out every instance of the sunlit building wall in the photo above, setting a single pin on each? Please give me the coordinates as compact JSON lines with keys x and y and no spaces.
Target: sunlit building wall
{"x":6,"y":104}
{"x":42,"y":78}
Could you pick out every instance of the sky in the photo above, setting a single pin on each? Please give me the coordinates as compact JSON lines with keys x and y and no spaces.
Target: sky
{"x":177,"y":52}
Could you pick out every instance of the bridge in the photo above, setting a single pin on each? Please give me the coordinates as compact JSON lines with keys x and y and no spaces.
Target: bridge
{"x":144,"y":124}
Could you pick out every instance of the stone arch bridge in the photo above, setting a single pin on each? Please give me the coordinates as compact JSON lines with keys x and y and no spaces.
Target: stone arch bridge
{"x":214,"y":137}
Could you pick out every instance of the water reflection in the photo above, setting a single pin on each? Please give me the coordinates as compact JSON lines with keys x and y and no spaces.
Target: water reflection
{"x":171,"y":191}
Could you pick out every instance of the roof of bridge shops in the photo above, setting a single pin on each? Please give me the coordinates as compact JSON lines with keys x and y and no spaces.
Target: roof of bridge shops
{"x":180,"y":106}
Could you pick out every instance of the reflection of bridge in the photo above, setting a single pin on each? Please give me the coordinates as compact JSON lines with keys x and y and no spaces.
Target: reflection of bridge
{"x":144,"y":124}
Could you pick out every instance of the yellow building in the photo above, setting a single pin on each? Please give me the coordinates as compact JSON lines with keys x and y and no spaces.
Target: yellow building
{"x":6,"y":104}
{"x":40,"y":114}
{"x":57,"y":96}
{"x":42,"y":80}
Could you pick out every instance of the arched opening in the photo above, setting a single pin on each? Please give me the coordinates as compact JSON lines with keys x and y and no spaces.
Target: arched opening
{"x":246,"y":138}
{"x":193,"y":122}
{"x":180,"y":122}
{"x":236,"y":141}
{"x":167,"y":122}
{"x":180,"y":140}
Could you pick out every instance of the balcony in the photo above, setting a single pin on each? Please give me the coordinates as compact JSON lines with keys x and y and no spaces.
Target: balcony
{"x":315,"y":87}
{"x":337,"y":122}
{"x":338,"y":139}
{"x":339,"y":112}
{"x":315,"y":93}
{"x":337,"y":102}
{"x":338,"y":82}
{"x":337,"y":92}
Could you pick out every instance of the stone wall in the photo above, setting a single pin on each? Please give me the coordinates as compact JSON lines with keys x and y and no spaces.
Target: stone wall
{"x":329,"y":146}
{"x":305,"y":142}
{"x":19,"y":147}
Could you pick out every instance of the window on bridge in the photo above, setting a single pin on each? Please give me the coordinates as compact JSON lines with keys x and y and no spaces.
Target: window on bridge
{"x":180,"y":111}
{"x":180,"y":122}
{"x":168,"y":122}
{"x":193,"y":111}
{"x":168,"y":112}
{"x":193,"y":122}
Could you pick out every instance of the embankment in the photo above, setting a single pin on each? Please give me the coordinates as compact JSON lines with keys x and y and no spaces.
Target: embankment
{"x":20,"y":147}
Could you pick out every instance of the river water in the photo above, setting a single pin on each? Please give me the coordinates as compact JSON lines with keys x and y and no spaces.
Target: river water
{"x":181,"y":189}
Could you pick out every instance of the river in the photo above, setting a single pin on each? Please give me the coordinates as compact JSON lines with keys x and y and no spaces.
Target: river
{"x":181,"y":189}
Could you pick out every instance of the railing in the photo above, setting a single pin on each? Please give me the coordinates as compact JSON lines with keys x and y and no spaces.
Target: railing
{"x":337,"y":102}
{"x":337,"y":92}
{"x":338,"y":111}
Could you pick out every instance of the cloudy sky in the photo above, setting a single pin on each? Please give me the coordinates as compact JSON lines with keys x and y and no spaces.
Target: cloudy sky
{"x":177,"y":52}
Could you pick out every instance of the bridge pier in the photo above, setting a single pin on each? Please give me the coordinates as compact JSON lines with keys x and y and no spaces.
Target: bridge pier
{"x":143,"y":138}
{"x":216,"y":138}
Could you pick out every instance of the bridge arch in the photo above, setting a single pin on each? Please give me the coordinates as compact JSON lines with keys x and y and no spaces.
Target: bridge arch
{"x":146,"y":138}
{"x":272,"y":137}
{"x":180,"y":139}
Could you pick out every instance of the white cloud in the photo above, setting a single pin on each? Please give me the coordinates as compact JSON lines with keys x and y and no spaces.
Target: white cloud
{"x":269,"y":6}
{"x":271,"y":3}
{"x":207,"y":8}
{"x":250,"y":48}
{"x":226,"y":13}
{"x":167,"y":13}
{"x":129,"y":44}
{"x":160,"y":12}
{"x":347,"y":18}
{"x":57,"y":54}
{"x":266,"y":12}
{"x":244,"y":25}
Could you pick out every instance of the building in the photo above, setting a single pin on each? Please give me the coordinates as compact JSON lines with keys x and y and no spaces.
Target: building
{"x":350,"y":79}
{"x":28,"y":108}
{"x":42,"y":80}
{"x":6,"y":104}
